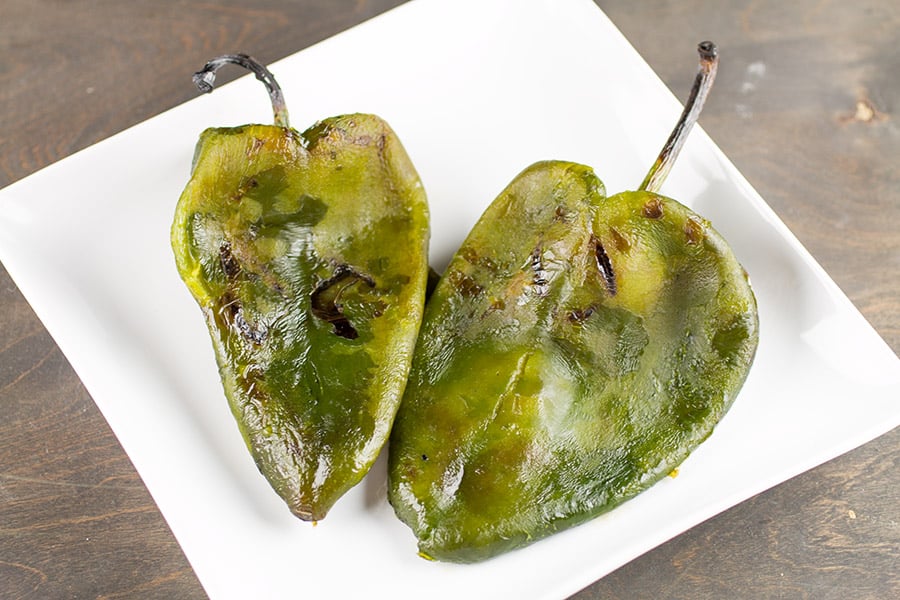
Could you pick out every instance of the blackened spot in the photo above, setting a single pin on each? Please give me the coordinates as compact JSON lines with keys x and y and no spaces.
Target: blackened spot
{"x":424,"y":457}
{"x":234,"y":312}
{"x":229,"y":263}
{"x":343,"y":328}
{"x":653,"y":208}
{"x":251,"y":334}
{"x":540,"y":281}
{"x":325,"y":299}
{"x":231,"y":305}
{"x":605,"y":267}
{"x":581,"y":315}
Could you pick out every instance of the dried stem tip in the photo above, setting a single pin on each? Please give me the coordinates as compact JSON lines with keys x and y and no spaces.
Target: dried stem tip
{"x":205,"y":79}
{"x":706,"y":74}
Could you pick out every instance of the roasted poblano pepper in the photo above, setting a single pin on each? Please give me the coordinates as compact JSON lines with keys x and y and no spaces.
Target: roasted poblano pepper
{"x":307,"y":253}
{"x":575,"y":351}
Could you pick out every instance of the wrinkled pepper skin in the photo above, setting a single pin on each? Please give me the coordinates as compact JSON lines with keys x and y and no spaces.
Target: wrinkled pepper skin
{"x":575,"y":351}
{"x":307,"y":254}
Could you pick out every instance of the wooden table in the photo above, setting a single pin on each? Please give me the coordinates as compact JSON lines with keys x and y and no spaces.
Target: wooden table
{"x":806,"y":107}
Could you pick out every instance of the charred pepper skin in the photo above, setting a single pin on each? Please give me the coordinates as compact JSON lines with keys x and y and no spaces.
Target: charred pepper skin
{"x":307,"y":253}
{"x":576,"y":350}
{"x":548,"y":388}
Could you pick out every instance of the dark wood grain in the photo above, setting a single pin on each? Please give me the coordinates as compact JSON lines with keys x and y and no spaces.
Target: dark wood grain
{"x":806,"y":106}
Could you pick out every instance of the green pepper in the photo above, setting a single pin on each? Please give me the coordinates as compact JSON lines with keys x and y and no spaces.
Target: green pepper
{"x":575,"y":351}
{"x":307,"y":253}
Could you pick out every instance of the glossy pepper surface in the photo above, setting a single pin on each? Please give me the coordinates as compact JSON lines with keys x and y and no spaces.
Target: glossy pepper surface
{"x":576,"y":350}
{"x":307,"y":253}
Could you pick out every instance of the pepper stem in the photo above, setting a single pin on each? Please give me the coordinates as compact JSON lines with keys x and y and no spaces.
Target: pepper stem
{"x":709,"y":61}
{"x":205,"y":79}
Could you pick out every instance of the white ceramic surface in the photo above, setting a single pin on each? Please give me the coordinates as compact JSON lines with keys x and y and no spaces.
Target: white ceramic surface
{"x":477,"y":90}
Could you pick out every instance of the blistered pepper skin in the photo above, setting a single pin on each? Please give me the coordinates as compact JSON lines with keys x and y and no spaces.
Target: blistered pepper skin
{"x":575,"y":351}
{"x":307,"y":254}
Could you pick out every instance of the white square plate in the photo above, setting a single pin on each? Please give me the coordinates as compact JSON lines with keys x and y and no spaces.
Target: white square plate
{"x":476,"y":90}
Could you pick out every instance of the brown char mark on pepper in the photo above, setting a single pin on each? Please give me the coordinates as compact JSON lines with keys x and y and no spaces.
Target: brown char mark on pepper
{"x":579,"y":316}
{"x":604,"y":266}
{"x":694,"y":230}
{"x":229,"y":263}
{"x":325,"y":299}
{"x":465,"y":285}
{"x":245,"y":187}
{"x":539,"y":281}
{"x":653,"y":208}
{"x":231,"y":306}
{"x":254,"y":335}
